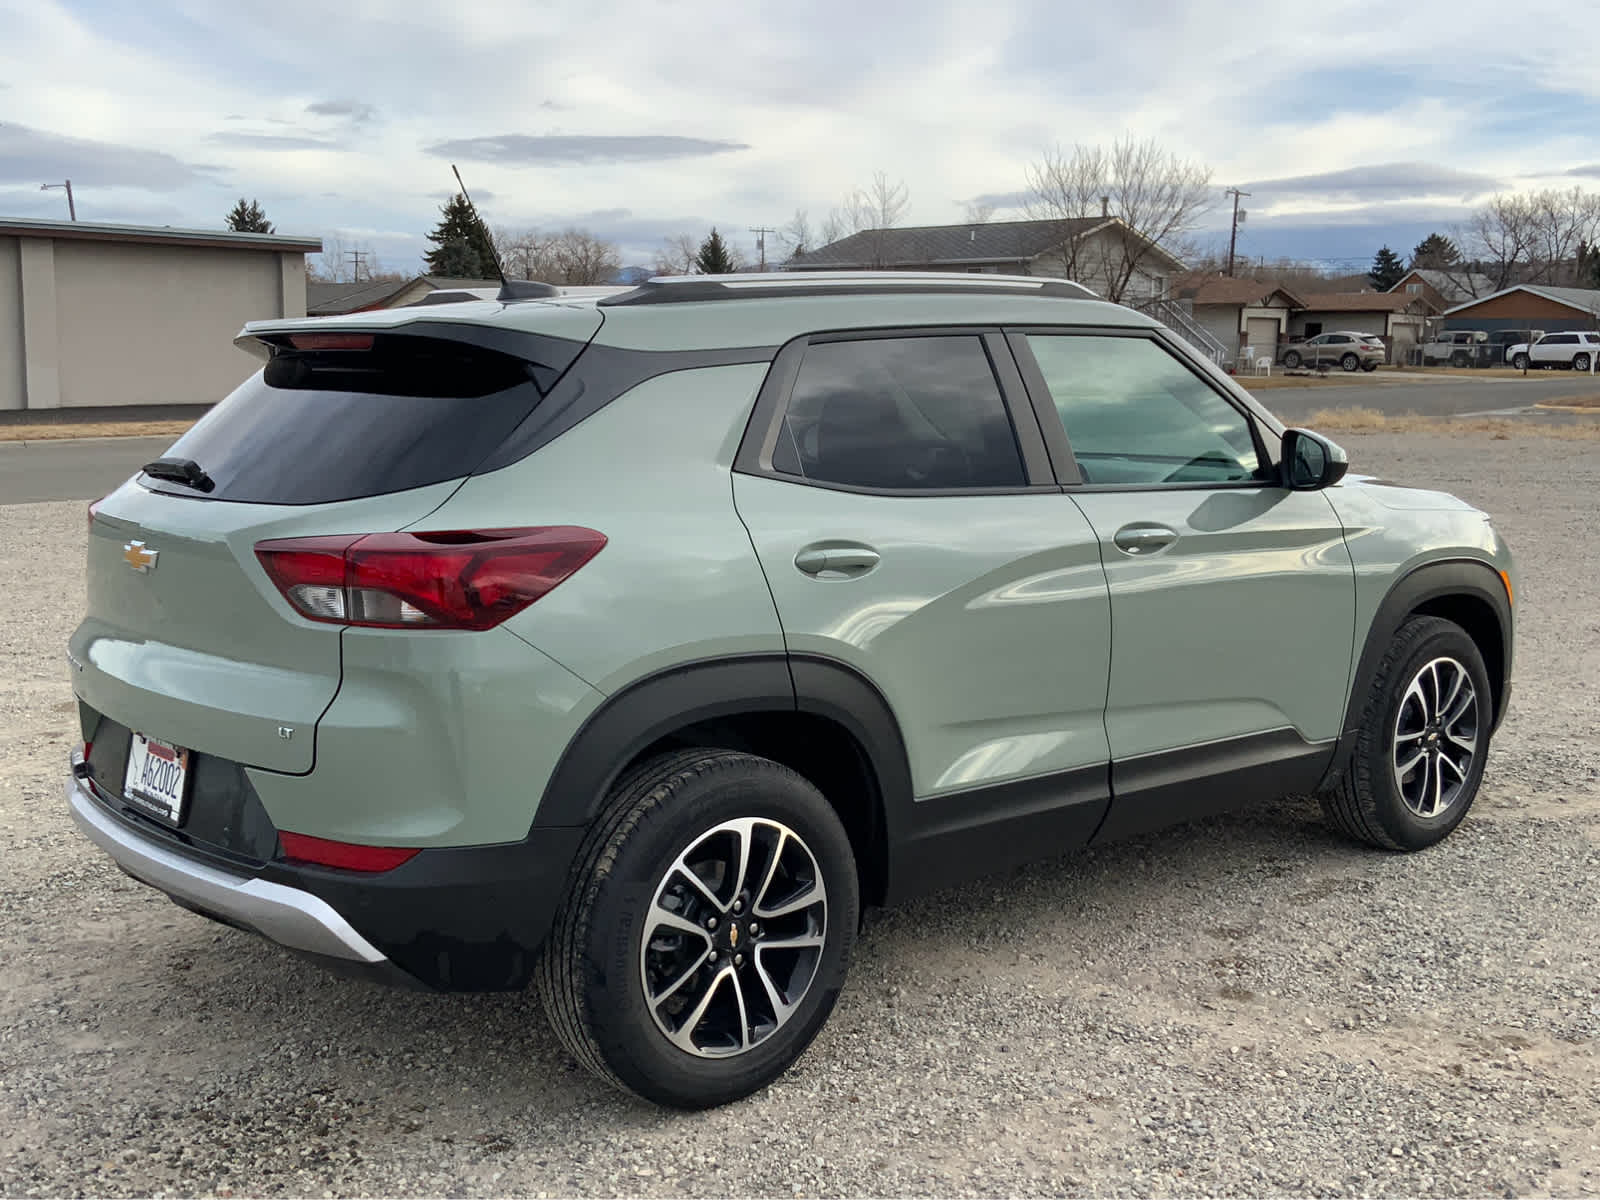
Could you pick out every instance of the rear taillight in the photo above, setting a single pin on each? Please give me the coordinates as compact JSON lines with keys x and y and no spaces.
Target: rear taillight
{"x":347,"y":856}
{"x":467,"y":579}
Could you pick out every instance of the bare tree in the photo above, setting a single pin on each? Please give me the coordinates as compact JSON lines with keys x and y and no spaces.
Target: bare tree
{"x":677,"y":255}
{"x":1147,"y":196}
{"x":526,"y":254}
{"x":833,"y":228}
{"x":796,"y":235}
{"x":583,"y":259}
{"x":869,"y":210}
{"x":979,"y":212}
{"x":1530,"y":237}
{"x":336,"y":265}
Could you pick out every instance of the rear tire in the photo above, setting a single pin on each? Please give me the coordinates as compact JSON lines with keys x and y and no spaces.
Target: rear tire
{"x":1580,"y":362}
{"x":1423,"y":740}
{"x":640,"y":979}
{"x":1291,"y":359}
{"x":1369,"y":366}
{"x":1350,"y":362}
{"x":1458,"y":359}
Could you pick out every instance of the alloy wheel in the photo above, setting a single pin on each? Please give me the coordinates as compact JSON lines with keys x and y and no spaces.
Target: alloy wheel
{"x":1435,"y":737}
{"x":733,"y":937}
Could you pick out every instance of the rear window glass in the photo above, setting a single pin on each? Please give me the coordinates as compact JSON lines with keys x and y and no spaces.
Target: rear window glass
{"x":327,"y":425}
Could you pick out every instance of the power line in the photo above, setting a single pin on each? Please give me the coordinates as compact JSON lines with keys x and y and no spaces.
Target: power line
{"x":761,"y":232}
{"x":357,"y":257}
{"x":1233,"y":236}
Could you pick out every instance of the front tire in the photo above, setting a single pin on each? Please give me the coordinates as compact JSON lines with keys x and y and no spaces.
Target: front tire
{"x":1424,"y":736}
{"x":708,"y":930}
{"x":1520,"y":362}
{"x":1291,"y":359}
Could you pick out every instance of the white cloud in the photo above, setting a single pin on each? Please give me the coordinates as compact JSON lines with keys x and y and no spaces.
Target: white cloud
{"x":562,"y":111}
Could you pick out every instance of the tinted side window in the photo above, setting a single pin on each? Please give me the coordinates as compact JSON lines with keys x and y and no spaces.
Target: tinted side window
{"x":913,"y":412}
{"x":1136,"y":415}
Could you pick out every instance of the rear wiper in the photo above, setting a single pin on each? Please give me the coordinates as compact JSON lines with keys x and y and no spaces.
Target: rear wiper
{"x":180,"y":470}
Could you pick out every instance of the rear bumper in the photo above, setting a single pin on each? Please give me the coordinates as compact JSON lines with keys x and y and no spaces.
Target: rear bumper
{"x":286,"y":915}
{"x":462,"y":919}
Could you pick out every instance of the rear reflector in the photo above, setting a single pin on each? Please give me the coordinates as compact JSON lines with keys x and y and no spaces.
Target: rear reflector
{"x":464,"y":579}
{"x":347,"y":856}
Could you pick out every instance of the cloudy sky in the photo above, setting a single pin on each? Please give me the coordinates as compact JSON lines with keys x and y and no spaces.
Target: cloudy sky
{"x":1352,"y":123}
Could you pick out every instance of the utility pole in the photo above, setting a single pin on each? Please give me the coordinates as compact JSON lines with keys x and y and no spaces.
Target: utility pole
{"x":761,"y":232}
{"x":72,"y":209}
{"x":1233,"y":237}
{"x":356,"y":256}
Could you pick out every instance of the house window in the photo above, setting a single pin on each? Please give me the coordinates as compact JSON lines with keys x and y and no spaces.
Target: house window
{"x":1414,"y":289}
{"x":1313,"y":328}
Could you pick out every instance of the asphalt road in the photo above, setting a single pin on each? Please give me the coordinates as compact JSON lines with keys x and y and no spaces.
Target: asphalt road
{"x":72,"y":469}
{"x":1440,"y":396}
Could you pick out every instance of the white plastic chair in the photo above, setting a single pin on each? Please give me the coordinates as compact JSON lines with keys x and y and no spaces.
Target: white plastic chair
{"x":1264,"y":363}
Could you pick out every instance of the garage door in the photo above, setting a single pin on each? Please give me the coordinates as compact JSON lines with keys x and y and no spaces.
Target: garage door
{"x":1261,"y":333}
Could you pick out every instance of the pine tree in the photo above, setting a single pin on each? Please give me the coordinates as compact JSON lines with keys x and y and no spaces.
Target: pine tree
{"x":1435,"y":252}
{"x":1387,"y":269}
{"x":248,"y":217}
{"x":461,"y":246}
{"x":714,"y":258}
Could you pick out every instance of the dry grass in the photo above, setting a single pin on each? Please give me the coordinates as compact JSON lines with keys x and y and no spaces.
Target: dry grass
{"x":1261,"y":383}
{"x":84,"y":429}
{"x":1370,"y":420}
{"x":1472,"y":372}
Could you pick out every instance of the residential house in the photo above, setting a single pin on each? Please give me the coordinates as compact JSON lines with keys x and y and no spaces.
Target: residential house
{"x":1246,"y":317}
{"x":335,"y":299}
{"x":1093,"y":251}
{"x":1529,"y":306}
{"x":1441,"y":289}
{"x":1399,"y":318}
{"x":93,"y":315}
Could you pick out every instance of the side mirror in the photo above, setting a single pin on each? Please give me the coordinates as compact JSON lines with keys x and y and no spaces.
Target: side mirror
{"x":1310,"y":461}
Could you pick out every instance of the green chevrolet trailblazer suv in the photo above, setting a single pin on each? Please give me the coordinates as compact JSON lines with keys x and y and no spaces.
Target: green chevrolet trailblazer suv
{"x":631,"y":647}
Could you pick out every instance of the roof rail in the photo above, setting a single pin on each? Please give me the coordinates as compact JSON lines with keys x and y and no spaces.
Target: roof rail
{"x":682,"y":289}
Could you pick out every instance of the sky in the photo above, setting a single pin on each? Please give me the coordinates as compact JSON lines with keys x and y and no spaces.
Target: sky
{"x":1352,"y":124}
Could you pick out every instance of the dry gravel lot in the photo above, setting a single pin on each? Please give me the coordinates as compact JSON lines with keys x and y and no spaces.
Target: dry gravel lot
{"x":1244,"y":1005}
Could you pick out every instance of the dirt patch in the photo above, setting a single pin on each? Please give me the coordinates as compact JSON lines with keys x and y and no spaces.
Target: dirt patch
{"x":86,"y":429}
{"x":1583,"y":403}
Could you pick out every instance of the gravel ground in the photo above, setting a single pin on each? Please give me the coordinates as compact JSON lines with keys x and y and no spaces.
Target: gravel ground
{"x":1244,"y":1005}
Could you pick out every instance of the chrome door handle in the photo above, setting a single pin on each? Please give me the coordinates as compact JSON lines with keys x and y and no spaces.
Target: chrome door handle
{"x":837,"y":561}
{"x":1144,"y":539}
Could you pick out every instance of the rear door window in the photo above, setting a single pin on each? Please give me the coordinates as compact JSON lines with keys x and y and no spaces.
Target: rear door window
{"x":899,"y":413}
{"x":376,"y":414}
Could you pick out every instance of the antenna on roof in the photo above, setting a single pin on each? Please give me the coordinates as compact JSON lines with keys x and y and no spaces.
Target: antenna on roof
{"x":521,"y":289}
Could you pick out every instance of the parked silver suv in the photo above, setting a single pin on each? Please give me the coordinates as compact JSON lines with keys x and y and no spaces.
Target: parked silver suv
{"x":632,"y":647}
{"x":1350,"y":351}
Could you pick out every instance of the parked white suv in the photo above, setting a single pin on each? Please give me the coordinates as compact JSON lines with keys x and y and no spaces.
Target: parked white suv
{"x":1578,"y":351}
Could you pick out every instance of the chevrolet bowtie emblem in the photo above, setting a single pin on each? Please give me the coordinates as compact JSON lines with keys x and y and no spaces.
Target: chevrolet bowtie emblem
{"x":733,"y":935}
{"x":138,"y":557}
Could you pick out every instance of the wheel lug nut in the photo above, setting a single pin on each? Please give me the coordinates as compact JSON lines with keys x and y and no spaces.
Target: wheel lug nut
{"x":754,"y":929}
{"x":738,"y":906}
{"x":711,"y":922}
{"x":712,"y":957}
{"x":738,"y":960}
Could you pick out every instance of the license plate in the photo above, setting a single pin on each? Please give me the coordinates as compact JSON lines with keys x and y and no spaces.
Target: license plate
{"x":157,"y":779}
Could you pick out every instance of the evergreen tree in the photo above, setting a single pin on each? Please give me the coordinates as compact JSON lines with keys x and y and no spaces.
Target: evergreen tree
{"x":1387,"y":269}
{"x":461,"y":246}
{"x":248,"y":217}
{"x":1435,"y":252}
{"x":714,"y":258}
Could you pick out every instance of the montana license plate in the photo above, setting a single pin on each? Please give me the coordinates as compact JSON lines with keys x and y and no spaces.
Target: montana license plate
{"x":157,"y":779}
